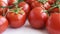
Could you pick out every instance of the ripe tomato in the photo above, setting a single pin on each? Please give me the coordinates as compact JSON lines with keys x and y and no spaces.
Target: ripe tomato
{"x":16,"y":20}
{"x":24,"y":6}
{"x":51,"y":1}
{"x":11,"y":2}
{"x":47,"y":6}
{"x":3,"y":4}
{"x":53,"y":23}
{"x":36,"y":4}
{"x":29,"y":1}
{"x":3,"y":24}
{"x":37,"y":17}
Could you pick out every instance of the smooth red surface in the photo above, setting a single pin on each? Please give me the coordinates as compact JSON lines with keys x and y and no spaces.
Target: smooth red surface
{"x":53,"y":24}
{"x":16,"y":20}
{"x":36,"y":4}
{"x":3,"y":24}
{"x":24,"y":6}
{"x":37,"y":17}
{"x":29,"y":1}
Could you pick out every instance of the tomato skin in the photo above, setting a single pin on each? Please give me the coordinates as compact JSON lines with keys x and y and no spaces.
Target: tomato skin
{"x":3,"y":24}
{"x":53,"y":24}
{"x":25,"y":6}
{"x":4,"y":4}
{"x":51,"y":1}
{"x":11,"y":2}
{"x":29,"y":1}
{"x":36,"y":4}
{"x":37,"y":17}
{"x":47,"y":6}
{"x":16,"y":20}
{"x":54,"y":10}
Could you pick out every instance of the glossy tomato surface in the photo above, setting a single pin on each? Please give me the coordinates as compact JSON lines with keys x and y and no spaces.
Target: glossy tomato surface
{"x":3,"y":4}
{"x":11,"y":2}
{"x":36,"y":4}
{"x":24,"y":6}
{"x":29,"y":1}
{"x":47,"y":6}
{"x":53,"y":24}
{"x":37,"y":17}
{"x":3,"y":24}
{"x":16,"y":20}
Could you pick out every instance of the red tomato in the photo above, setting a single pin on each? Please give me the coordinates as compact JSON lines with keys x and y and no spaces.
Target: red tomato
{"x":53,"y":23}
{"x":36,"y":4}
{"x":3,"y":4}
{"x":29,"y":1}
{"x":37,"y":17}
{"x":16,"y":20}
{"x":24,"y":6}
{"x":47,"y":6}
{"x":3,"y":24}
{"x":51,"y":1}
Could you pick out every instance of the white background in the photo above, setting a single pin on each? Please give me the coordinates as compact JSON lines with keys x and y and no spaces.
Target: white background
{"x":26,"y":29}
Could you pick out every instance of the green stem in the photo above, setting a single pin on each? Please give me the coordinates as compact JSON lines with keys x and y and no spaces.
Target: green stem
{"x":52,"y":8}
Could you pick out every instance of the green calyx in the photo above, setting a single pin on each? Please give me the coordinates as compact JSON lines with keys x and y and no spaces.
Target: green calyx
{"x":46,"y":11}
{"x":43,"y":1}
{"x":15,"y":10}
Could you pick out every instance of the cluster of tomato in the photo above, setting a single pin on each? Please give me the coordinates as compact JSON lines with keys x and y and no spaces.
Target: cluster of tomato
{"x":40,"y":14}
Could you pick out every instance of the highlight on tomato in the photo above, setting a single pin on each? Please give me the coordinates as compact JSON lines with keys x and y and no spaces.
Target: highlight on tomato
{"x":3,"y":24}
{"x":16,"y":17}
{"x":24,"y":6}
{"x":37,"y":17}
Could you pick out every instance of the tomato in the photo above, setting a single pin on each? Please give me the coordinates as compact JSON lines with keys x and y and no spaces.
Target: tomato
{"x":47,"y":6}
{"x":3,"y":4}
{"x":29,"y":1}
{"x":37,"y":17}
{"x":3,"y":24}
{"x":51,"y":1}
{"x":24,"y":6}
{"x":36,"y":4}
{"x":53,"y":23}
{"x":16,"y":19}
{"x":11,"y":2}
